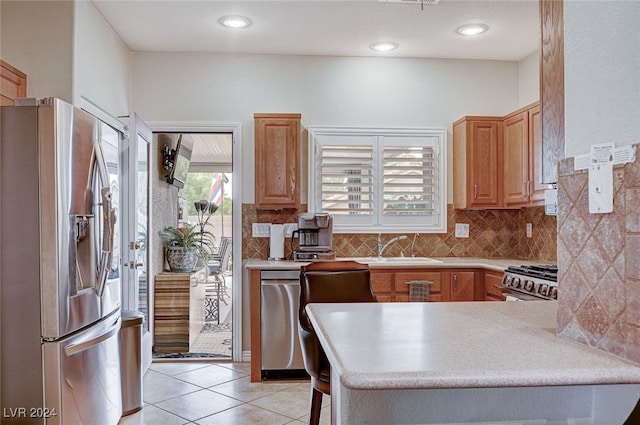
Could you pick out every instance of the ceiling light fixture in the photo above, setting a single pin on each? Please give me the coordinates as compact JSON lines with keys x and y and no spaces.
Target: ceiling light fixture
{"x":472,"y":29}
{"x":384,"y":46}
{"x":234,"y":21}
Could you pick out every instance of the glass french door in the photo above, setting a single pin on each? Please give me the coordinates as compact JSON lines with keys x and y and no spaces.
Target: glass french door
{"x":137,"y":294}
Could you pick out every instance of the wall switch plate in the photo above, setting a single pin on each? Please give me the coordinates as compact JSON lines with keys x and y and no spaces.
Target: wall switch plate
{"x":289,"y":228}
{"x":462,"y":230}
{"x":529,"y":230}
{"x":261,"y":230}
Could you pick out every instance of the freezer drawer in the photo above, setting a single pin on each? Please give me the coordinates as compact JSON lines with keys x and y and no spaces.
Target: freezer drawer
{"x":82,"y":376}
{"x":279,"y":325}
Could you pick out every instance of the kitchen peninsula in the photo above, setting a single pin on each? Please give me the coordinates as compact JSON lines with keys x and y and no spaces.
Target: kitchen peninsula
{"x":466,"y":363}
{"x":476,"y":280}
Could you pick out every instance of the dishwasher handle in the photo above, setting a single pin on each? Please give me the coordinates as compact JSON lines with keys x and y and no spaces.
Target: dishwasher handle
{"x":280,"y":275}
{"x":280,"y":283}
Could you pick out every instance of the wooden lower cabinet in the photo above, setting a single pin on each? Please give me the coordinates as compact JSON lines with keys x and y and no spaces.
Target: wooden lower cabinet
{"x":492,"y":282}
{"x":382,"y":283}
{"x":179,"y":310}
{"x":446,"y":284}
{"x":462,"y":286}
{"x":402,"y":279}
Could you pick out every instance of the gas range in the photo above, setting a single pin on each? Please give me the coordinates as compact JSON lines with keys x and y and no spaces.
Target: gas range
{"x":531,"y":282}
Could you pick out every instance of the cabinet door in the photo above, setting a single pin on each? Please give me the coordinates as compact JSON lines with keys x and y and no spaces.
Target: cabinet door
{"x":485,"y":167}
{"x":516,"y":159}
{"x":277,"y":157}
{"x":536,"y":187}
{"x":462,"y":284}
{"x":382,"y":283}
{"x":492,"y":283}
{"x":402,"y":279}
{"x":13,"y":84}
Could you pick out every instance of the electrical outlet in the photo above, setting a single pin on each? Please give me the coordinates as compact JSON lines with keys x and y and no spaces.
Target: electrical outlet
{"x":529,"y":230}
{"x":260,"y":230}
{"x":289,"y":228}
{"x":462,"y":230}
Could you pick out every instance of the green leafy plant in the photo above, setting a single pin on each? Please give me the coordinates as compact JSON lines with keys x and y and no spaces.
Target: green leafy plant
{"x":191,"y":237}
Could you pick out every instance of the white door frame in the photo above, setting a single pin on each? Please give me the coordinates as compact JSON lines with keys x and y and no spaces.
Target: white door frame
{"x":130,"y":300}
{"x":236,"y":222}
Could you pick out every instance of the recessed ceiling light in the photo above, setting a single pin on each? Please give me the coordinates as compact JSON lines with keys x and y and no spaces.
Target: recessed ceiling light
{"x":234,"y":21}
{"x":472,"y":29}
{"x":384,"y":46}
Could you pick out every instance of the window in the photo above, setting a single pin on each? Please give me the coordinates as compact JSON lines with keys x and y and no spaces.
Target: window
{"x":379,"y":180}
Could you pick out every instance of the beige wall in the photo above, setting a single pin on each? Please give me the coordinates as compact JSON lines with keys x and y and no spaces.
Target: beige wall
{"x":337,"y":91}
{"x":529,"y":79}
{"x":102,"y":63}
{"x":68,"y":51}
{"x":602,"y":82}
{"x":37,"y":38}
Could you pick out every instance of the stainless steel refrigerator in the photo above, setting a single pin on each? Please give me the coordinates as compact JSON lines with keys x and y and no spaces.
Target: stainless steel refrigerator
{"x":60,"y":286}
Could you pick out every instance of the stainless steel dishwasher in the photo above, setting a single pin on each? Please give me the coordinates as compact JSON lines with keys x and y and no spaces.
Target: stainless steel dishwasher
{"x":280,"y":298}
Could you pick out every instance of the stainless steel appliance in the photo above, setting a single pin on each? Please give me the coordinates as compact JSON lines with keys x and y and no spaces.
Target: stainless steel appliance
{"x":530,"y":283}
{"x":280,"y":346}
{"x":60,"y":285}
{"x":315,"y":237}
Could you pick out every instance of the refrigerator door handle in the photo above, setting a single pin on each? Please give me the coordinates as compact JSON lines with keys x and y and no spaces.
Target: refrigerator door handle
{"x":91,"y":341}
{"x":108,"y":218}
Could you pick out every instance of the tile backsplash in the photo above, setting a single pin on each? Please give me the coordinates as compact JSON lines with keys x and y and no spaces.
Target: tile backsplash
{"x":598,"y":263}
{"x":493,"y":233}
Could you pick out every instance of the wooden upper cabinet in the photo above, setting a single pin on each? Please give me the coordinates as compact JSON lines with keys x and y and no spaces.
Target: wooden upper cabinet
{"x":523,"y":158}
{"x":536,"y":159}
{"x":13,"y":84}
{"x":277,"y":160}
{"x":477,"y":164}
{"x":516,"y":159}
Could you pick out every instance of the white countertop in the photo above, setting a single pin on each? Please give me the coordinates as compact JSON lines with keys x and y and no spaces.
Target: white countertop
{"x":458,"y":345}
{"x":495,"y":264}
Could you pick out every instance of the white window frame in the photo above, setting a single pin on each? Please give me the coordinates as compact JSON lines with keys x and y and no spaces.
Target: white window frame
{"x":377,"y":222}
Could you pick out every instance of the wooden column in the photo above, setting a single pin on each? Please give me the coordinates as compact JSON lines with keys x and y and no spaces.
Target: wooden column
{"x":552,"y":87}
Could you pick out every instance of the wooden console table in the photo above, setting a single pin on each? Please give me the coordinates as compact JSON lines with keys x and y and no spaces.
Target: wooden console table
{"x":179,"y":310}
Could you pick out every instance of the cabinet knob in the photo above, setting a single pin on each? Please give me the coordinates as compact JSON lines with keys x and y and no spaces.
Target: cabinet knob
{"x":475,"y":191}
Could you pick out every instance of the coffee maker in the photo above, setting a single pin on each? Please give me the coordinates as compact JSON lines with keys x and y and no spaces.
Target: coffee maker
{"x":315,"y":237}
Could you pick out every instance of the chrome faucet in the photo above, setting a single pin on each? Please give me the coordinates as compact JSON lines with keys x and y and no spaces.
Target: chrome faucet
{"x":381,"y":247}
{"x":413,"y":242}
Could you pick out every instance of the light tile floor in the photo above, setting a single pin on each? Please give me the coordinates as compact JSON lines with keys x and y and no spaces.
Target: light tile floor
{"x":208,"y":393}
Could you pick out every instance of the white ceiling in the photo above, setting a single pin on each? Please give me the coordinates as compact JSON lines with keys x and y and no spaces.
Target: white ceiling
{"x":330,"y":27}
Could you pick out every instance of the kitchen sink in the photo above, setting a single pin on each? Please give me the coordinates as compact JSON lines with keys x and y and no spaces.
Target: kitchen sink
{"x":395,"y":260}
{"x":408,"y":260}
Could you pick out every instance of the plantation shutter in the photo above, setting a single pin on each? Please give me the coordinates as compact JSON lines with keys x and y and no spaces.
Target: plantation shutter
{"x":409,"y":181}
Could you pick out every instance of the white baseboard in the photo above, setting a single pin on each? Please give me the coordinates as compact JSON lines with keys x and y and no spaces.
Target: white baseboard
{"x":246,"y":356}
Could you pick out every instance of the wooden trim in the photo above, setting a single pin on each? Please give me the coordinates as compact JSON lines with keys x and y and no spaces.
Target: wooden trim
{"x":552,"y":87}
{"x":277,"y":116}
{"x":254,"y":309}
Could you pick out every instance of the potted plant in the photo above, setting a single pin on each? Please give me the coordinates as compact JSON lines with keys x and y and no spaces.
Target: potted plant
{"x":184,"y":245}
